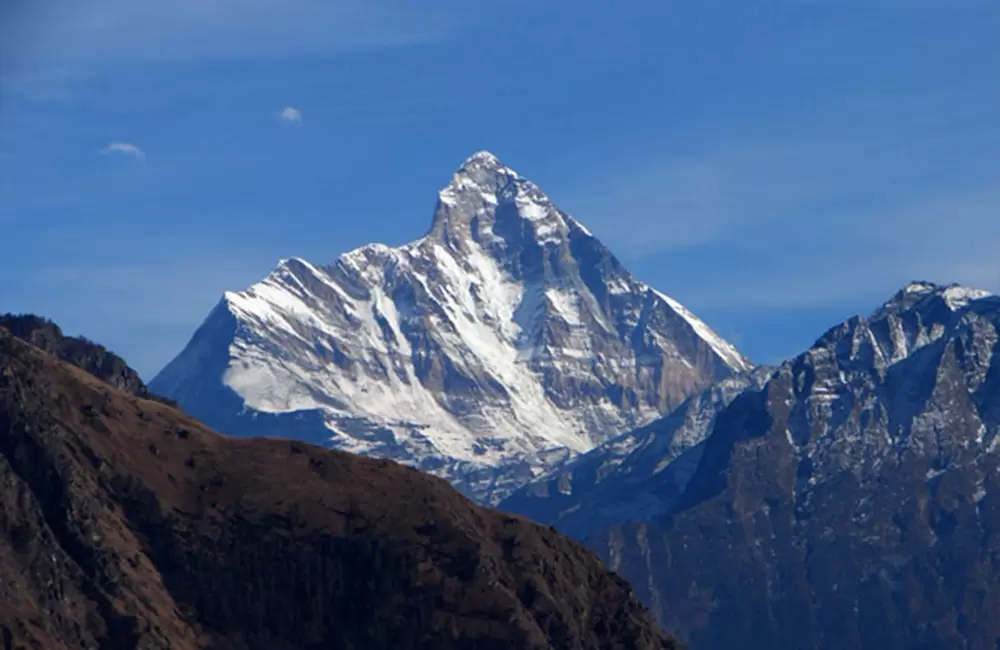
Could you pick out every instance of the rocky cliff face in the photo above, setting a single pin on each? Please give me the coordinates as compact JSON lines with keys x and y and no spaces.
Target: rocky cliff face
{"x":505,"y":341}
{"x":852,"y":501}
{"x":126,"y":524}
{"x":634,"y":477}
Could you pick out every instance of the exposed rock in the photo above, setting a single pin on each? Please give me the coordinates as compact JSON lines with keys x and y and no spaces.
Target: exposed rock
{"x":634,"y":477}
{"x":851,"y":502}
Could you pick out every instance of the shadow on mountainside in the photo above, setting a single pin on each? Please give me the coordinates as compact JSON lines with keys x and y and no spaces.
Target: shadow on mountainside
{"x":127,"y":524}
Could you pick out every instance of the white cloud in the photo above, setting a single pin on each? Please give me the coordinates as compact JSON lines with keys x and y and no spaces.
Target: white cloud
{"x":290,"y":115}
{"x":125,"y":148}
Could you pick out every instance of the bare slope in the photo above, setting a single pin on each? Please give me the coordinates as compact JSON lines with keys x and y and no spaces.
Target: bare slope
{"x":126,"y":524}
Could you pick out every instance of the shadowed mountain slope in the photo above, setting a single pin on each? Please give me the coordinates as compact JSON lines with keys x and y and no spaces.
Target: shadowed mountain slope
{"x":126,"y":524}
{"x":852,"y":501}
{"x":95,"y":359}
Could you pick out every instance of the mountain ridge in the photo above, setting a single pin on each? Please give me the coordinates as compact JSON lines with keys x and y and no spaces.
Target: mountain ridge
{"x":635,"y":476}
{"x":504,"y":340}
{"x":850,"y":501}
{"x":128,"y":524}
{"x":78,"y":351}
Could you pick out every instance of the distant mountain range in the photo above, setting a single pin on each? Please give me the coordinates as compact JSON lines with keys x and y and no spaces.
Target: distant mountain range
{"x":125,"y":523}
{"x":504,"y":342}
{"x":636,"y":476}
{"x":849,"y":498}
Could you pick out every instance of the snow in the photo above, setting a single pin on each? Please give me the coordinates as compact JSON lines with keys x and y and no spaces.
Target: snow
{"x":919,"y":288}
{"x":848,"y":412}
{"x":532,"y":210}
{"x":309,"y":339}
{"x":548,"y":232}
{"x":958,"y":297}
{"x":485,"y":157}
{"x":980,"y":492}
{"x":955,"y":296}
{"x":725,"y":350}
{"x":274,"y":387}
{"x":579,"y":226}
{"x":565,"y":306}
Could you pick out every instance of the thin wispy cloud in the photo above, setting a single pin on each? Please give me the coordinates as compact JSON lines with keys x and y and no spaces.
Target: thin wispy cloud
{"x":802,"y":218}
{"x":290,"y":115}
{"x":191,"y":29}
{"x":683,"y":203}
{"x":809,"y":259}
{"x":125,"y":148}
{"x":59,"y":44}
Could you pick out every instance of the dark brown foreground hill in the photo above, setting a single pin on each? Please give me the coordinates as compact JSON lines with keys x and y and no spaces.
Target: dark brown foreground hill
{"x":126,"y":524}
{"x":78,"y":351}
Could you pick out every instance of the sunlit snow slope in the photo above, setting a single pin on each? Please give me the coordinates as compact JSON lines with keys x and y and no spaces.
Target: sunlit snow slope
{"x":503,"y":342}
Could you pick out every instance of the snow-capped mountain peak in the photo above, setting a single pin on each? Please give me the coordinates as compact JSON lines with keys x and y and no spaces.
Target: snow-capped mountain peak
{"x":639,"y":475}
{"x":859,"y":478}
{"x":925,"y":294}
{"x":493,"y":205}
{"x":918,"y":315}
{"x":504,"y":339}
{"x":484,"y":159}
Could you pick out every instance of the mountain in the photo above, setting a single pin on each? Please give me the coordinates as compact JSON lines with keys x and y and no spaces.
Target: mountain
{"x":124,"y":523}
{"x":78,"y":351}
{"x":852,"y":501}
{"x":635,"y":476}
{"x":503,"y":342}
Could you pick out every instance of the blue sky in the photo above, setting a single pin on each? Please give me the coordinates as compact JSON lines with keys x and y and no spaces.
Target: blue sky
{"x":777,"y":166}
